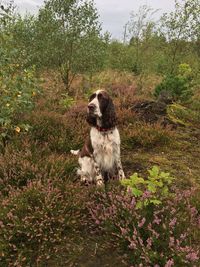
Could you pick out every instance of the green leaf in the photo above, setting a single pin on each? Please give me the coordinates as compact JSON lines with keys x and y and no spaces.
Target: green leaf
{"x":154,"y":172}
{"x":125,"y":182}
{"x":151,"y":187}
{"x":155,"y":201}
{"x":165,"y":191}
{"x":139,"y":205}
{"x":160,"y":183}
{"x":136,"y":192}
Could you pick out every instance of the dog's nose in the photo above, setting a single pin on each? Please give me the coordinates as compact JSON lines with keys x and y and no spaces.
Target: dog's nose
{"x":91,"y":107}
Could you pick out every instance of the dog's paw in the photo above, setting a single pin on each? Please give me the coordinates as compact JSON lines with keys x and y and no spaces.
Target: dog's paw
{"x":121,"y":175}
{"x":100,"y":183}
{"x":75,"y":152}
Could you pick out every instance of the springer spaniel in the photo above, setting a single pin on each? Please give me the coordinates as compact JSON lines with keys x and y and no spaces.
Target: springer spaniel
{"x":99,"y":158}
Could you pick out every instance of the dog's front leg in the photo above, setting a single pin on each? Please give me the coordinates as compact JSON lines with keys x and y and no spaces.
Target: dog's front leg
{"x":120,"y":171}
{"x":99,"y":177}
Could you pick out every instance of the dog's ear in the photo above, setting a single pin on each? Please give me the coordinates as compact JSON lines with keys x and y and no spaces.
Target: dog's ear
{"x":109,"y":119}
{"x":92,"y":121}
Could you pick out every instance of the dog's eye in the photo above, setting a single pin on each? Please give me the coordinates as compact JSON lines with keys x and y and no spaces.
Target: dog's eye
{"x":100,"y":96}
{"x":92,"y":97}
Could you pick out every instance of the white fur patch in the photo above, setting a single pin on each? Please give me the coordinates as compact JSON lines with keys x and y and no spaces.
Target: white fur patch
{"x":95,"y":101}
{"x":106,"y":148}
{"x":87,"y":170}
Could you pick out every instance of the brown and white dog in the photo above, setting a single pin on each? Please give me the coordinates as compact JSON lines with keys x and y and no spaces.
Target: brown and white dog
{"x":99,"y":158}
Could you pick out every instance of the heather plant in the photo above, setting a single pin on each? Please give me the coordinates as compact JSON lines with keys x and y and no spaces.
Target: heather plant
{"x":112,"y":78}
{"x":16,"y":169}
{"x":32,"y":162}
{"x":156,"y":185}
{"x":55,"y":129}
{"x":35,"y":220}
{"x":156,"y":235}
{"x":145,"y":135}
{"x":125,"y":117}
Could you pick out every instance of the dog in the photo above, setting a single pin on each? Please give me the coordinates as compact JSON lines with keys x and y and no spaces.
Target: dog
{"x":99,"y":159}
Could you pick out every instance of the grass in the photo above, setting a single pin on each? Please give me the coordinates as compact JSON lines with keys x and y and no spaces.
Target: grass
{"x":40,"y":160}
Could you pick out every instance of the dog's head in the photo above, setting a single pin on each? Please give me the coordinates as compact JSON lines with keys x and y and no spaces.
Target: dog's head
{"x":101,"y":110}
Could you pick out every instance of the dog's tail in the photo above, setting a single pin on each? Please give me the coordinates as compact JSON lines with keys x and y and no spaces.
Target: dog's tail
{"x":75,"y":152}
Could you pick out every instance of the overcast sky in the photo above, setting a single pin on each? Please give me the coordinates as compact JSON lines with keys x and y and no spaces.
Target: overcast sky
{"x":114,"y":14}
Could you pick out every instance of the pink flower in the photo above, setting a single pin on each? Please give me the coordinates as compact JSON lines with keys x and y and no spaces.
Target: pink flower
{"x":169,"y":263}
{"x":192,"y":256}
{"x":173,"y":222}
{"x":157,"y":220}
{"x":149,"y":242}
{"x":146,"y":194}
{"x":123,"y":231}
{"x":141,"y":223}
{"x":132,"y":245}
{"x":171,"y":241}
{"x":193,"y":211}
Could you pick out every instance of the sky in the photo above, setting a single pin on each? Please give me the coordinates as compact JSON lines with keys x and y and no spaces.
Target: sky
{"x":114,"y":14}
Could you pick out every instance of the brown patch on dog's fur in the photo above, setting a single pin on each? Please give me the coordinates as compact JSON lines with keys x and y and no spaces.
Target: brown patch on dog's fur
{"x":87,"y":149}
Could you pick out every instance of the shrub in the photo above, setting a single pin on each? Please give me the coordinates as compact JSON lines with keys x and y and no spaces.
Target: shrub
{"x":66,"y":101}
{"x":163,"y":235}
{"x":37,"y":219}
{"x":126,"y":95}
{"x":156,"y":184}
{"x":110,"y":78}
{"x":54,"y":129}
{"x":16,"y":169}
{"x":20,"y":166}
{"x":145,"y":135}
{"x":177,"y":86}
{"x":125,"y":117}
{"x":18,"y":88}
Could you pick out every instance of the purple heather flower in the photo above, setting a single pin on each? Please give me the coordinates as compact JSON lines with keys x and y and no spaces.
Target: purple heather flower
{"x":169,"y":263}
{"x":173,"y":222}
{"x":141,"y":223}
{"x":192,"y":256}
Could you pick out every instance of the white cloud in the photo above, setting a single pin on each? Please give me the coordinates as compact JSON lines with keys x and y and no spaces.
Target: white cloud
{"x":113,"y":13}
{"x":30,"y":6}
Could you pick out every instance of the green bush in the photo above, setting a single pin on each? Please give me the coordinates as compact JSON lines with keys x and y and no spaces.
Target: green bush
{"x":19,"y":83}
{"x":18,"y":87}
{"x":66,"y":101}
{"x":179,"y":86}
{"x":157,"y":184}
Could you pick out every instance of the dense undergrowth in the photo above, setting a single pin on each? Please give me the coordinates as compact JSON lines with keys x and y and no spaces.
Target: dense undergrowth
{"x":48,"y":219}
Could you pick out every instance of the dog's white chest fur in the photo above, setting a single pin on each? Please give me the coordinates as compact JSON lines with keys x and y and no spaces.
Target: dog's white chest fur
{"x":106,"y":147}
